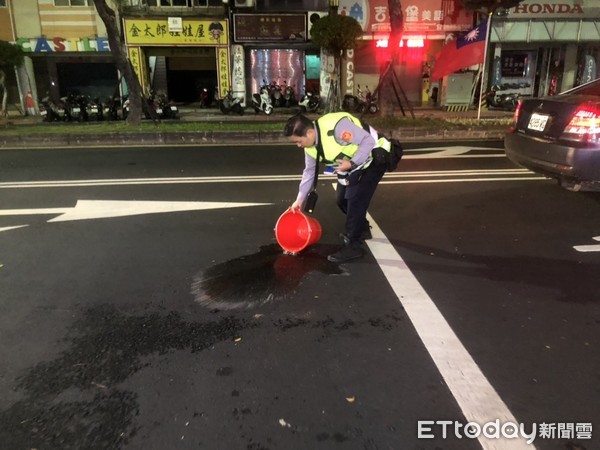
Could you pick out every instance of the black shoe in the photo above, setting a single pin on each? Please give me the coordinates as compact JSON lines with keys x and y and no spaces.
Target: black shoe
{"x":363,"y":237}
{"x":347,"y":253}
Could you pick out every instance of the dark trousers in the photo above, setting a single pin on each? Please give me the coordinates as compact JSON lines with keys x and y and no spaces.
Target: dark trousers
{"x":355,"y":198}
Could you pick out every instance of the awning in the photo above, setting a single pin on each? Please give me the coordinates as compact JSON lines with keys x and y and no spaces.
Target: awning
{"x":584,"y":30}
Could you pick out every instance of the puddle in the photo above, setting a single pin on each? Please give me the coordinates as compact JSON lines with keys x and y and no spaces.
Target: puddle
{"x":263,"y":277}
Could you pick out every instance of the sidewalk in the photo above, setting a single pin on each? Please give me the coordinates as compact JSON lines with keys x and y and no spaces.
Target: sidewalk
{"x":492,"y":125}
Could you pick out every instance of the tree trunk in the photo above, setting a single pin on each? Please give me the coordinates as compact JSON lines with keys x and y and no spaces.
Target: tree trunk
{"x":119,"y":53}
{"x":3,"y":111}
{"x":334,"y":100}
{"x":387,"y":94}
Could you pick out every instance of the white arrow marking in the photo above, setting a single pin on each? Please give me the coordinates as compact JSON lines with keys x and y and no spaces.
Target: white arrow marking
{"x":589,"y":248}
{"x":443,"y":152}
{"x":12,"y":228}
{"x":101,"y":209}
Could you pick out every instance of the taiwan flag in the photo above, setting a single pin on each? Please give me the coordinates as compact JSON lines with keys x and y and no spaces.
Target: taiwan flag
{"x":465,"y":51}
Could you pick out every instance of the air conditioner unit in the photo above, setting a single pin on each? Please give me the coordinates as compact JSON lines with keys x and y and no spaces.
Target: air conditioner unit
{"x":313,"y":16}
{"x":243,"y":3}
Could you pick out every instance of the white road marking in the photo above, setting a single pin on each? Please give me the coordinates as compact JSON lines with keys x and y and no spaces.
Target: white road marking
{"x":12,"y":228}
{"x":101,"y":209}
{"x":454,"y":149}
{"x":589,"y":248}
{"x":475,"y":396}
{"x":453,"y":152}
{"x":441,"y":173}
{"x":526,"y":175}
{"x":464,"y":180}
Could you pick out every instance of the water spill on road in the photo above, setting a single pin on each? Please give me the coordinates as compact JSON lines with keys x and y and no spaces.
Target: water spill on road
{"x":254,"y":280}
{"x":74,"y":401}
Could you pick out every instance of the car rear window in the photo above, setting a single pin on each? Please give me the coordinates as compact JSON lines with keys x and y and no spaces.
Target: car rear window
{"x":592,"y":88}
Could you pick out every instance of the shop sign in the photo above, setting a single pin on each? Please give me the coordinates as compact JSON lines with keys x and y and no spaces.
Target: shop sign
{"x":348,"y":72}
{"x":419,"y":15}
{"x":552,"y":9}
{"x":238,"y":84}
{"x":59,"y":44}
{"x":223,"y":70}
{"x":194,"y":32}
{"x":589,"y":69}
{"x":269,"y":27}
{"x":136,"y":62}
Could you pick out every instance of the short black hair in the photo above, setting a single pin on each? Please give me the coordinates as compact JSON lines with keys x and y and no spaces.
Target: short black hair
{"x":297,"y":125}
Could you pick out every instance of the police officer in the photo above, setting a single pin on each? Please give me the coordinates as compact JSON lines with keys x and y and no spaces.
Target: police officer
{"x":347,"y":144}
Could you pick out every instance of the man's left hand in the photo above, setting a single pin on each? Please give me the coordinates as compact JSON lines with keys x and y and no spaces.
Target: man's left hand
{"x":343,"y":166}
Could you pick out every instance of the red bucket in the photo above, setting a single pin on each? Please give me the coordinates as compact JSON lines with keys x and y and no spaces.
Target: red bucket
{"x":295,"y":231}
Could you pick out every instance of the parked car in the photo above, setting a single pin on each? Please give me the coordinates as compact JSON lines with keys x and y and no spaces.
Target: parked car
{"x":559,"y":137}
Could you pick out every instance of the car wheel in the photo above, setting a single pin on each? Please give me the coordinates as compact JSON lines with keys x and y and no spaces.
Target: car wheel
{"x":570,"y":185}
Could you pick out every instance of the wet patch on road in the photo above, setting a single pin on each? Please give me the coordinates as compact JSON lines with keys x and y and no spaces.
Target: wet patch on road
{"x":331,"y":327}
{"x":106,"y":347}
{"x":254,"y":280}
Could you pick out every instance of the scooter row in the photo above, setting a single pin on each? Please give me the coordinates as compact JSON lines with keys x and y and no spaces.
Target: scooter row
{"x":83,"y":108}
{"x":281,"y":95}
{"x":262,"y":102}
{"x":74,"y":107}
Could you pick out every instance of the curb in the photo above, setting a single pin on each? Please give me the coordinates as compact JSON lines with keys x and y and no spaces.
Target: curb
{"x":222,"y":137}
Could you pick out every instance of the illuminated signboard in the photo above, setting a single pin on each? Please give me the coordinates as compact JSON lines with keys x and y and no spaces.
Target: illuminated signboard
{"x":194,"y":32}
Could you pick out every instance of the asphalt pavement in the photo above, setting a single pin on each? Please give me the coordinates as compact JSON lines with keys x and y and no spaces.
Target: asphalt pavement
{"x":483,"y":124}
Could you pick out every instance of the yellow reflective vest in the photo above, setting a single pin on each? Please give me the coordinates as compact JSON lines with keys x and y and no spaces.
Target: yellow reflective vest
{"x":332,"y":150}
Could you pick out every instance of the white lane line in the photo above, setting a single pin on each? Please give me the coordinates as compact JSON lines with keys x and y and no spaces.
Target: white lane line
{"x":464,"y":180}
{"x":589,"y":248}
{"x":457,"y":172}
{"x":389,"y":179}
{"x":476,"y":397}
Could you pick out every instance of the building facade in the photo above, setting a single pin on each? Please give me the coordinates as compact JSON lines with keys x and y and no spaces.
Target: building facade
{"x":543,"y":47}
{"x":183,"y":47}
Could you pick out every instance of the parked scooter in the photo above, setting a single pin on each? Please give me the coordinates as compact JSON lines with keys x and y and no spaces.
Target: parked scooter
{"x":310,"y":102}
{"x":498,"y":100}
{"x":262,"y":101}
{"x":169,"y":109}
{"x":94,"y":109}
{"x":363,"y":101}
{"x":111,"y":108}
{"x":205,"y":98}
{"x":125,"y":107}
{"x":60,"y":110}
{"x":289,"y":96}
{"x":370,"y":101}
{"x":76,"y":107}
{"x":229,"y":103}
{"x":162,"y":107}
{"x":48,"y":110}
{"x":276,"y":95}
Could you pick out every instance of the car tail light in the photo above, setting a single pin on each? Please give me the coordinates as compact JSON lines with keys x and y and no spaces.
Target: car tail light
{"x":516,"y":115}
{"x":585,"y":124}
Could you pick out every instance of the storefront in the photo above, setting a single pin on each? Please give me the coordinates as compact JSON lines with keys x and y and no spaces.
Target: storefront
{"x":427,"y":24}
{"x":543,"y":48}
{"x":272,"y":49}
{"x":179,"y":56}
{"x":58,"y":66}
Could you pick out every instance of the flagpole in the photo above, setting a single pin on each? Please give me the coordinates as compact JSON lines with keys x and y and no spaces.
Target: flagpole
{"x":487,"y":39}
